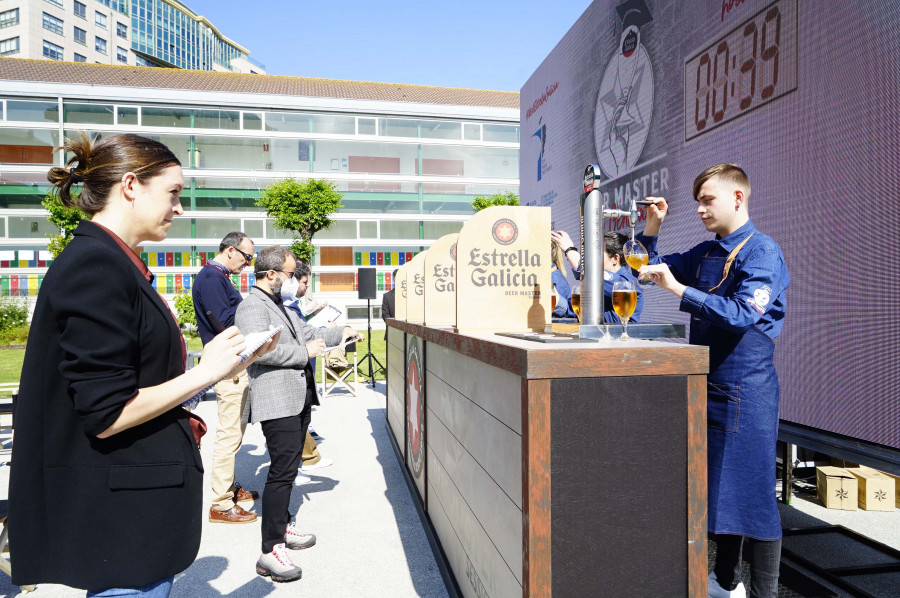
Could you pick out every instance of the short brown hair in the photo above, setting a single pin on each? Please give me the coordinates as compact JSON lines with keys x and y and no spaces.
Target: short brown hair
{"x":729,"y":173}
{"x":102,"y":163}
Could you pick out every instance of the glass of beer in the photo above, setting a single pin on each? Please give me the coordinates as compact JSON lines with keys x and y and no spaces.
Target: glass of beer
{"x":624,"y":300}
{"x":636,"y":256}
{"x":576,"y":301}
{"x":553,"y":301}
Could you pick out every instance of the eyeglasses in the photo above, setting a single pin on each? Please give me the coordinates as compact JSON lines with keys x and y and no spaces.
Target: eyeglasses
{"x":247,"y":256}
{"x":283,"y":272}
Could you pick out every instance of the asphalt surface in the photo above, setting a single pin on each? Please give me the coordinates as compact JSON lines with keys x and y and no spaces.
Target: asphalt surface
{"x":370,"y":539}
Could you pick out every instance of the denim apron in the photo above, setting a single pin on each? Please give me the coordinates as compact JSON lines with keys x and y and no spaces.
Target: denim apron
{"x":742,"y":420}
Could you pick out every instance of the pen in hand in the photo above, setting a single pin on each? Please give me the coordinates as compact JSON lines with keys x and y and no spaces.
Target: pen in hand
{"x":215,"y":322}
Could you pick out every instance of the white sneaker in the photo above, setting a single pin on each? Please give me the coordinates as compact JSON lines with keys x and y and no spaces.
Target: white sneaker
{"x":301,"y":479}
{"x":297,"y":541}
{"x":318,"y":465}
{"x":717,"y":591}
{"x":278,"y":565}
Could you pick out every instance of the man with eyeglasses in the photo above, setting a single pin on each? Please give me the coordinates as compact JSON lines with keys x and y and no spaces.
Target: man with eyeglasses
{"x":215,"y":294}
{"x":282,"y":393}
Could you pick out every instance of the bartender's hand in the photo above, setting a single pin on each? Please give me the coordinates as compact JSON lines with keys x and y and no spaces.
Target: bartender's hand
{"x":315,"y":346}
{"x":663,"y":277}
{"x":655,"y":215}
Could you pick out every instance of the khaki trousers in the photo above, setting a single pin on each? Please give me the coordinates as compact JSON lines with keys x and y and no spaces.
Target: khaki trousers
{"x":231,"y":397}
{"x":310,"y":450}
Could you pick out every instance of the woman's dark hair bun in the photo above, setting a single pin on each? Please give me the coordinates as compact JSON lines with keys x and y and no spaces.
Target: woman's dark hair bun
{"x":101,"y":163}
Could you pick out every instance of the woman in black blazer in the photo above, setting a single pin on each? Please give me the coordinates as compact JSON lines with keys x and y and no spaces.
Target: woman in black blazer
{"x":106,"y":480}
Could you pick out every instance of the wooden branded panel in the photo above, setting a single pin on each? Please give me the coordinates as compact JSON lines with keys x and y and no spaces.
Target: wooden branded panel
{"x":503,"y":264}
{"x":476,"y":563}
{"x":415,"y":285}
{"x":494,"y":390}
{"x":440,"y":282}
{"x":537,"y":562}
{"x":496,"y":448}
{"x":496,"y":513}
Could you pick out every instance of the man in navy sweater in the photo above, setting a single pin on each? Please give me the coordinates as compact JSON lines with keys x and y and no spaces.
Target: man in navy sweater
{"x":214,"y":292}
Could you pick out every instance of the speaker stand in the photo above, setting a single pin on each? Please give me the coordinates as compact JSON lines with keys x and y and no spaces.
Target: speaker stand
{"x":369,"y":357}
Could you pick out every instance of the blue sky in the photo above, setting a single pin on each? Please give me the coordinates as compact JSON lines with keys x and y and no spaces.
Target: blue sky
{"x":487,"y":44}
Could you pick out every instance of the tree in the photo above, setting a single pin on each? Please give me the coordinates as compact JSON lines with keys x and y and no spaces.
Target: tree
{"x":302,"y":207}
{"x":507,"y":198}
{"x":66,"y":220}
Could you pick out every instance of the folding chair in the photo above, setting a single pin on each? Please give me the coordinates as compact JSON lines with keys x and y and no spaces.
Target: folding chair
{"x":339,"y":376}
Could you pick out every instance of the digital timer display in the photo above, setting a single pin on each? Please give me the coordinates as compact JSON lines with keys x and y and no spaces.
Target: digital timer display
{"x":750,"y":66}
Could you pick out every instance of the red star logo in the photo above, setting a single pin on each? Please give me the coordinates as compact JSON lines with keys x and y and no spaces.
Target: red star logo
{"x":505,"y":232}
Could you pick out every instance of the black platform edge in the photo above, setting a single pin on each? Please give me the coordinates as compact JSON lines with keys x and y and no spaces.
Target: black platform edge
{"x":877,"y":456}
{"x":799,"y":580}
{"x":439,"y":556}
{"x":835,"y":576}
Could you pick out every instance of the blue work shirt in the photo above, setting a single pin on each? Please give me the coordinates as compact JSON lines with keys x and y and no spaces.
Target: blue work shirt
{"x":756,"y":283}
{"x":563,"y":307}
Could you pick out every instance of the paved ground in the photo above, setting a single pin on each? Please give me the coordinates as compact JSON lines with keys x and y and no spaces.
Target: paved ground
{"x":370,"y":539}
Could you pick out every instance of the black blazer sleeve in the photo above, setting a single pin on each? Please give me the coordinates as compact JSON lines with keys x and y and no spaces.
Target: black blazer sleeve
{"x":99,"y":339}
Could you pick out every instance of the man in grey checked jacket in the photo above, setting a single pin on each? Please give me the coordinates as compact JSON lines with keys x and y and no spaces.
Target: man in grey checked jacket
{"x":282,"y":393}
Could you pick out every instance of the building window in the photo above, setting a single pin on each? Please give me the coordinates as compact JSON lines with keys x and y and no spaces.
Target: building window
{"x":122,"y":30}
{"x":100,"y":45}
{"x":100,"y":19}
{"x":52,"y":51}
{"x":121,"y":54}
{"x":55,"y":2}
{"x":141,"y":61}
{"x":81,"y":36}
{"x":9,"y":46}
{"x":80,"y":10}
{"x":80,"y":58}
{"x":53,"y":24}
{"x":9,"y":18}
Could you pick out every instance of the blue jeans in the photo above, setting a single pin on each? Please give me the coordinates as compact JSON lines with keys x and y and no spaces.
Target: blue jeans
{"x":158,"y":589}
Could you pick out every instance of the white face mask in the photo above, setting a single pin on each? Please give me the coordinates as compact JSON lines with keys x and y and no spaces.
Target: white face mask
{"x":289,"y":288}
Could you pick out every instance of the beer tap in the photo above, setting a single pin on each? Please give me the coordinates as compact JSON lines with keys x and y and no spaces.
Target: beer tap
{"x":594,"y":218}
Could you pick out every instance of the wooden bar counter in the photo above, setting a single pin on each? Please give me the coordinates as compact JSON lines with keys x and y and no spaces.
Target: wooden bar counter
{"x":555,"y":469}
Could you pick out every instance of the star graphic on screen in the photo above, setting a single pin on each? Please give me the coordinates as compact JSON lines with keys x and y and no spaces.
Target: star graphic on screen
{"x":841,"y":493}
{"x":505,"y":232}
{"x":881,"y":495}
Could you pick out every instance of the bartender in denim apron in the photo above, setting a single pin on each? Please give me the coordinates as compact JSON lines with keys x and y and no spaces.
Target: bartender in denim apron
{"x":734,"y":289}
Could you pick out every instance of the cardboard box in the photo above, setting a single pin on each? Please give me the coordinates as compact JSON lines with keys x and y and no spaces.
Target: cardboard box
{"x":876,"y":490}
{"x":838,"y":488}
{"x":896,"y":488}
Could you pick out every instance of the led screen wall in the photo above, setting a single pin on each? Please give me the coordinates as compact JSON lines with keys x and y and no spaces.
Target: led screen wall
{"x":802,"y":94}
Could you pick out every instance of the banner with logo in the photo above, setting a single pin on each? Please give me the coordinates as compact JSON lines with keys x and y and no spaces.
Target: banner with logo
{"x":415,"y":289}
{"x":656,"y":91}
{"x":400,"y":293}
{"x":415,"y":411}
{"x":503,"y":271}
{"x":440,"y":282}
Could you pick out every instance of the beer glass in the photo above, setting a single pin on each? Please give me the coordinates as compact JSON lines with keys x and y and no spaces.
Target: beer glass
{"x":576,"y":301}
{"x":624,"y":300}
{"x":636,"y":256}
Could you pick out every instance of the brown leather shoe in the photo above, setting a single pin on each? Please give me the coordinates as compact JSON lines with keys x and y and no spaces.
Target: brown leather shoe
{"x":241,"y":495}
{"x":235,"y":514}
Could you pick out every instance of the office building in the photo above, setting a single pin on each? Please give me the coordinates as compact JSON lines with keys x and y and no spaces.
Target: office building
{"x":409,"y":160}
{"x":162,"y":33}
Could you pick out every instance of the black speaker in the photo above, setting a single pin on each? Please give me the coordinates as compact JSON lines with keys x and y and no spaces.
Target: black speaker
{"x":366,"y":283}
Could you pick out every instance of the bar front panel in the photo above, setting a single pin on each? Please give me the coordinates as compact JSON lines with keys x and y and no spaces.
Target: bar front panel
{"x":619,"y":462}
{"x":396,"y":361}
{"x":475,"y":471}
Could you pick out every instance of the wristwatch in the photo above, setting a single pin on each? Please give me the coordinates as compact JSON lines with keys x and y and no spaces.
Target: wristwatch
{"x":571,"y":249}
